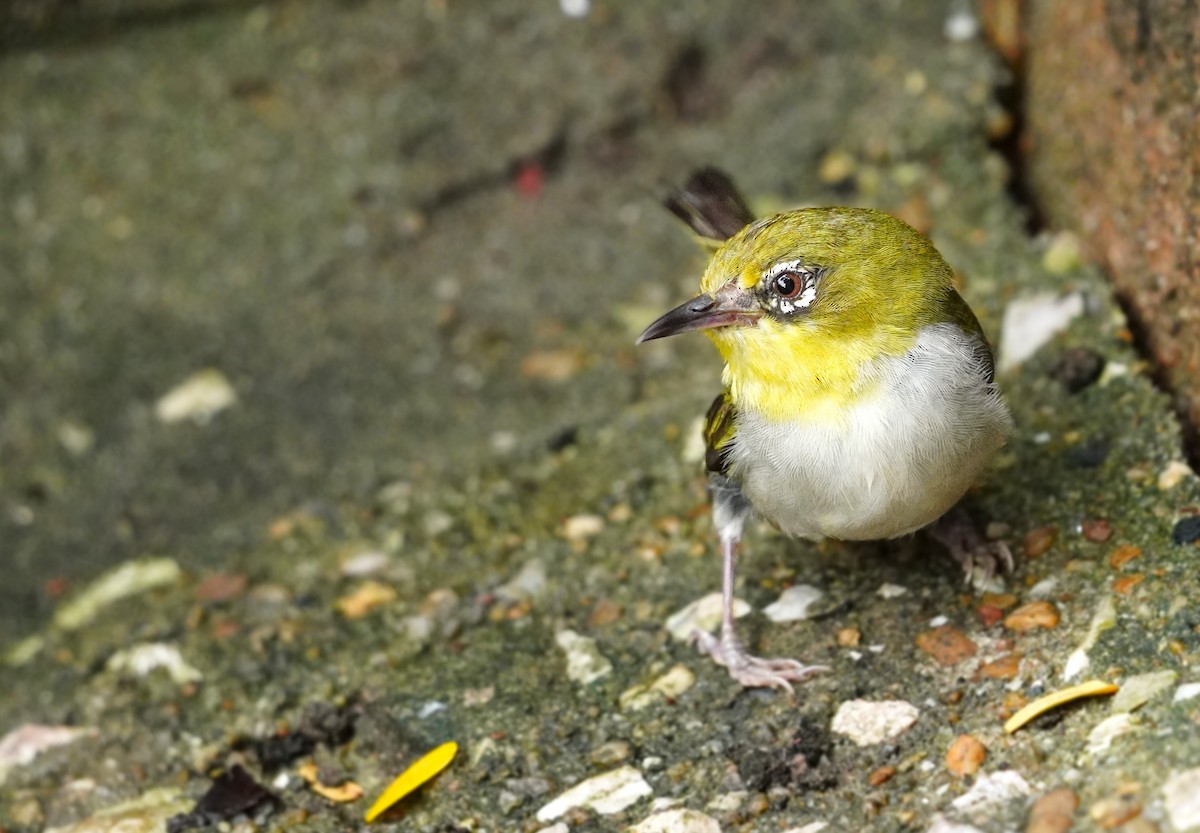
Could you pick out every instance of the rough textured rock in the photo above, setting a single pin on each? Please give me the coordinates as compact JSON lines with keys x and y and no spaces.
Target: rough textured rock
{"x":1112,"y":90}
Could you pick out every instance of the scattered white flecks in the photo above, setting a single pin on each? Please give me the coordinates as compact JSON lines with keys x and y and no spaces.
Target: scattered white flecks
{"x":365,"y":563}
{"x":436,"y":522}
{"x":938,"y":621}
{"x":677,"y":821}
{"x":140,"y":660}
{"x":990,"y":793}
{"x":1181,"y":799}
{"x":128,"y":579}
{"x":1044,"y":588}
{"x":1042,"y":437}
{"x":1031,"y":322}
{"x":1186,"y":692}
{"x":793,"y":604}
{"x":199,"y":398}
{"x":582,"y":527}
{"x":76,"y":438}
{"x":891,"y":591}
{"x":811,"y":827}
{"x":941,"y":824}
{"x":1139,"y":690}
{"x":1112,"y":370}
{"x":527,"y":584}
{"x":24,"y":743}
{"x":867,"y":722}
{"x":667,"y":687}
{"x":694,"y":446}
{"x":854,"y":655}
{"x":281,"y":781}
{"x":1108,"y":730}
{"x":704,"y":614}
{"x":430,"y":708}
{"x":728,"y":802}
{"x":608,"y":793}
{"x":876,"y":649}
{"x":473,"y":697}
{"x":575,"y":8}
{"x":560,"y":827}
{"x":1174,"y":474}
{"x":1103,"y":619}
{"x":663,"y":803}
{"x":961,"y":26}
{"x":585,"y":663}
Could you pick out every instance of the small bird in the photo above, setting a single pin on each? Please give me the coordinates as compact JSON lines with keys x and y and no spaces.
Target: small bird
{"x":859,"y":399}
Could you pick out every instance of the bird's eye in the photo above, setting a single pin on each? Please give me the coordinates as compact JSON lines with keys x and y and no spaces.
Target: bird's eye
{"x":788,"y":284}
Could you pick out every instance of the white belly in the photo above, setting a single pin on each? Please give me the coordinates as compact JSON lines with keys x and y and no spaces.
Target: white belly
{"x":898,"y":460}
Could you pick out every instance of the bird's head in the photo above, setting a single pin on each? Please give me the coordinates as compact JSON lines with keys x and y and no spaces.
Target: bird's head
{"x":799,"y":301}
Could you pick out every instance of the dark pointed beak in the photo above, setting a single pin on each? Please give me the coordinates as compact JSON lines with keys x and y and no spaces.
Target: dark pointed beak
{"x":729,"y":306}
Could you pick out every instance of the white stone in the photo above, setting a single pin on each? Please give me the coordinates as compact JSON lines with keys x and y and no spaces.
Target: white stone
{"x":728,"y":802}
{"x":585,"y":663}
{"x":793,"y":604}
{"x":811,"y":827}
{"x":199,"y":398}
{"x":938,"y":621}
{"x":677,"y":821}
{"x":123,"y":581}
{"x":140,"y":660}
{"x":1108,"y":730}
{"x":961,"y":26}
{"x":365,"y":563}
{"x":582,"y":527}
{"x":608,"y":793}
{"x":1139,"y":690}
{"x":575,"y":8}
{"x":559,"y":827}
{"x":1181,"y":799}
{"x":891,"y":591}
{"x":868,"y":722}
{"x":1186,"y":692}
{"x":1174,"y":474}
{"x":941,"y":824}
{"x":1031,"y":322}
{"x":704,"y":614}
{"x":528,"y":583}
{"x":667,"y":687}
{"x":24,"y":743}
{"x":990,"y":793}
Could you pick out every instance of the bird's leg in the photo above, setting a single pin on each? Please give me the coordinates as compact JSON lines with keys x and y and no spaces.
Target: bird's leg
{"x":730,"y":510}
{"x":979,"y":557}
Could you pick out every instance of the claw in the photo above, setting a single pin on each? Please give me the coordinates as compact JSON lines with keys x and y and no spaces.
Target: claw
{"x":751,"y":671}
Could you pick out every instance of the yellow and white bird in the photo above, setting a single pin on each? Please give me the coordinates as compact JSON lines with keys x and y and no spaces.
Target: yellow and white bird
{"x":859,"y":399}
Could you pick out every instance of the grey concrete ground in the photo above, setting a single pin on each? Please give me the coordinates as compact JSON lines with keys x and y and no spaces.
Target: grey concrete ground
{"x":407,"y":246}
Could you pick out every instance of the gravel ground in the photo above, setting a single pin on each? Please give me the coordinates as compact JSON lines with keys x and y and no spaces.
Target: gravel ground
{"x":324,"y":441}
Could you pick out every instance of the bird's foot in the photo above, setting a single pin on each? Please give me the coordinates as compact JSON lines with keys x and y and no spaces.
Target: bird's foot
{"x":979,"y":557}
{"x":751,"y":671}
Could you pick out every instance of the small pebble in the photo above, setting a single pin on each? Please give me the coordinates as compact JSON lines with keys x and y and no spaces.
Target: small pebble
{"x":585,"y":663}
{"x":1106,"y":731}
{"x":1187,"y":531}
{"x":611,"y":753}
{"x":1173,"y":475}
{"x":1005,"y":668}
{"x":582,"y":527}
{"x":677,"y":821}
{"x":198,"y":398}
{"x":1032,"y":616}
{"x":793,"y":604}
{"x":1139,"y":690}
{"x":891,"y":591}
{"x":1123,"y":555}
{"x":881,"y":775}
{"x":1037,"y":541}
{"x":1052,"y":812}
{"x":1097,"y":530}
{"x":1181,"y":799}
{"x":606,"y":794}
{"x":990,"y":793}
{"x":1078,"y":368}
{"x":849,"y":637}
{"x":1187,"y":691}
{"x":1033,"y":321}
{"x":703,"y":614}
{"x":868,"y":722}
{"x":965,"y":755}
{"x":947,"y":645}
{"x":1114,"y":810}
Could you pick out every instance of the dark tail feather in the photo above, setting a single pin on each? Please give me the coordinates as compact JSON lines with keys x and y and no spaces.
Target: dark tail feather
{"x":710,"y":205}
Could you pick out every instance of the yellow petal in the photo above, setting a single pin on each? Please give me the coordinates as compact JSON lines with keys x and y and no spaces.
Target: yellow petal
{"x":416,"y":775}
{"x":1040,"y":706}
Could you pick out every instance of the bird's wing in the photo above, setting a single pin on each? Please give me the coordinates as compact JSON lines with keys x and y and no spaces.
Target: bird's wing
{"x":718,"y":433}
{"x":710,"y":205}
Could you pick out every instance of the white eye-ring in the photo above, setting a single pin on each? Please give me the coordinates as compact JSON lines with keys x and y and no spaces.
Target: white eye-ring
{"x":792,"y":286}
